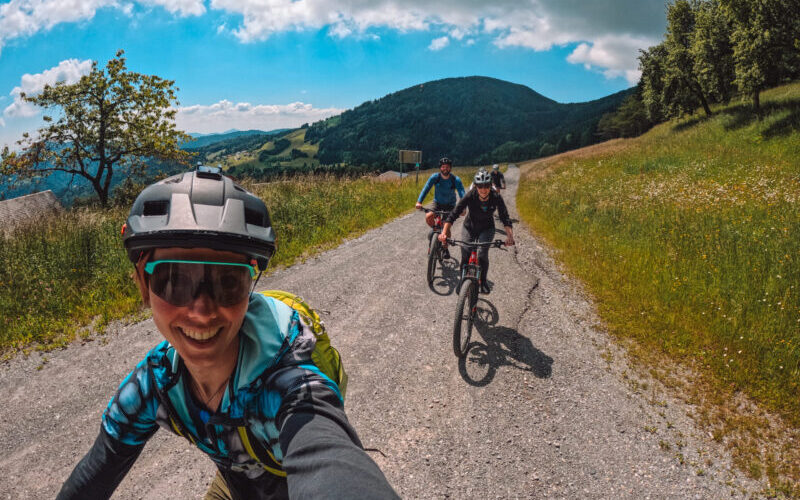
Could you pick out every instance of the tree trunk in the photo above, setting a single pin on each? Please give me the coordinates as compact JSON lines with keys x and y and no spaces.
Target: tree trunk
{"x":757,"y":100}
{"x":704,"y":102}
{"x":698,"y":90}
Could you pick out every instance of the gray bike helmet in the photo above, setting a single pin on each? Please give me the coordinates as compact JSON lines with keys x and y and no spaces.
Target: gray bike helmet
{"x":495,"y":167}
{"x":199,"y":209}
{"x":482,"y":177}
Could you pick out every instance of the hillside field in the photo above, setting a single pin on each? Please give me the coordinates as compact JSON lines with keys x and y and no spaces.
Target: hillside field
{"x":688,"y":237}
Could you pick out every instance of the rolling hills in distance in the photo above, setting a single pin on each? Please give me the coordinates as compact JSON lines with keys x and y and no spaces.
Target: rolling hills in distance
{"x":472,"y":120}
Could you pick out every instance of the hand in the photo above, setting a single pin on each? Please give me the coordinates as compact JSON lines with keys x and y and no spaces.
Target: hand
{"x":443,"y":237}
{"x":418,"y":206}
{"x":510,"y":241}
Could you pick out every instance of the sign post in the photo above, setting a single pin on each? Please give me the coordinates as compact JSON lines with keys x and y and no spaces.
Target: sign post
{"x":410,"y":156}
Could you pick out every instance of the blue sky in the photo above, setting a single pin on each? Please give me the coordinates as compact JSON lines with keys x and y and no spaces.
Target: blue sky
{"x":279,"y":63}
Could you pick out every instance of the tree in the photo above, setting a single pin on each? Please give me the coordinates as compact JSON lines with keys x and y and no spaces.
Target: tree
{"x":652,"y":63}
{"x":711,"y":51}
{"x":112,"y":120}
{"x":682,"y":90}
{"x":629,"y":120}
{"x":765,"y":43}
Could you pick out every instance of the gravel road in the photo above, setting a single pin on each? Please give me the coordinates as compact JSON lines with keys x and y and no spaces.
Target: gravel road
{"x":544,"y":406}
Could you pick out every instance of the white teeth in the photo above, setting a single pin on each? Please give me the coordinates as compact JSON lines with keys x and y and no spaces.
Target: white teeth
{"x":200,"y":334}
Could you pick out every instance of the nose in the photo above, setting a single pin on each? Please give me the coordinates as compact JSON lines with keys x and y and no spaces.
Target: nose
{"x":203,"y":302}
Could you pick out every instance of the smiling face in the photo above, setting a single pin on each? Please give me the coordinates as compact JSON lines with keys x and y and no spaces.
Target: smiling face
{"x":445,"y":170}
{"x":483,"y":190}
{"x":205,"y":334}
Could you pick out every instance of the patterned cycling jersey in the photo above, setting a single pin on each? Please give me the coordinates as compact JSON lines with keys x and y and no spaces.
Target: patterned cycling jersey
{"x":274,"y":361}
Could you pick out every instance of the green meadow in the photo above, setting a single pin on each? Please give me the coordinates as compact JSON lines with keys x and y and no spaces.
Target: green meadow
{"x":64,"y":273}
{"x":688,"y":238}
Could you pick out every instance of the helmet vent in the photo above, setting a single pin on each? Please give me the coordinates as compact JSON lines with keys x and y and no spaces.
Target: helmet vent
{"x":254,"y":217}
{"x":239,"y":188}
{"x":156,"y":207}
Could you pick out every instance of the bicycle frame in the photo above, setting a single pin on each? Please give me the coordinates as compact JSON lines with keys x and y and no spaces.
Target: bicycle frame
{"x":467,"y":307}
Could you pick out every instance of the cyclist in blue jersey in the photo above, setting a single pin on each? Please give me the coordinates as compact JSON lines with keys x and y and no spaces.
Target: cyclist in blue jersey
{"x":445,"y":185}
{"x":234,"y":375}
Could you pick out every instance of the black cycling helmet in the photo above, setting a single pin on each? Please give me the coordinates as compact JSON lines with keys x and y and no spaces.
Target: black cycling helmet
{"x":200,"y":209}
{"x":445,"y":161}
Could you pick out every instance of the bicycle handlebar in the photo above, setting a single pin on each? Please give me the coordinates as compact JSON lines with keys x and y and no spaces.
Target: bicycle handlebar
{"x":475,"y":244}
{"x":440,"y":212}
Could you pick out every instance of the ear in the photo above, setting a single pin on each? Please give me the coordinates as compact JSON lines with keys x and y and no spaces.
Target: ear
{"x":141,"y":281}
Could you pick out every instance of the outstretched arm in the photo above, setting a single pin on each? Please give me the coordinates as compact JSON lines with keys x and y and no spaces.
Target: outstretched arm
{"x":99,"y":473}
{"x":323,"y":457}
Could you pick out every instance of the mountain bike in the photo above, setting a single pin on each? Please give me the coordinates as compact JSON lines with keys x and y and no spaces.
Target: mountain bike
{"x":467,"y":290}
{"x":435,"y":248}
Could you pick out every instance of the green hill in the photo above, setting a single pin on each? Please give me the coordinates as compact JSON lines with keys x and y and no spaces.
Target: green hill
{"x":689,"y":239}
{"x":472,"y":120}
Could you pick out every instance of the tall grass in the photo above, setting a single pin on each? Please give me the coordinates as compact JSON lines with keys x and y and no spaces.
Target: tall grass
{"x":65,"y":272}
{"x":689,"y":237}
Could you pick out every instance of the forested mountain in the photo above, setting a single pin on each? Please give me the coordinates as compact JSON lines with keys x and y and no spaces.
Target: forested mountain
{"x":471,"y":119}
{"x":203,"y":140}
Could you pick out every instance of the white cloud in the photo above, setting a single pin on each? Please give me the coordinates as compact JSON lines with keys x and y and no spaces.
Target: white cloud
{"x":439,"y":43}
{"x":533,"y":24}
{"x":458,"y":33}
{"x":225,"y":115}
{"x":615,"y":56}
{"x":183,"y":8}
{"x":606,"y":27}
{"x":26,"y":17}
{"x":19,"y":18}
{"x":68,"y":71}
{"x":2,"y":123}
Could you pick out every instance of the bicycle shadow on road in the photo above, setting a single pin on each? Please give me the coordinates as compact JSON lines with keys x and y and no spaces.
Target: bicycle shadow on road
{"x":499,"y":346}
{"x":447,"y":276}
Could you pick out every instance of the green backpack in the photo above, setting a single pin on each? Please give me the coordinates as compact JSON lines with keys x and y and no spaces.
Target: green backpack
{"x":325,"y":356}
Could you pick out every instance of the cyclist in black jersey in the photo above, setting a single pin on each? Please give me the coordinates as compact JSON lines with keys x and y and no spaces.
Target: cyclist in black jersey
{"x":498,"y":179}
{"x":481,"y":203}
{"x":234,"y":375}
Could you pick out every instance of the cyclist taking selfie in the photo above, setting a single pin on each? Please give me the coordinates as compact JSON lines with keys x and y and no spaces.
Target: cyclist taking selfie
{"x":446,"y":185}
{"x":234,"y":374}
{"x":481,"y":203}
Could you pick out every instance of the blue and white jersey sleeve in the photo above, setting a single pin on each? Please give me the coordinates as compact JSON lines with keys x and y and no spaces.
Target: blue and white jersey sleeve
{"x":130,"y":416}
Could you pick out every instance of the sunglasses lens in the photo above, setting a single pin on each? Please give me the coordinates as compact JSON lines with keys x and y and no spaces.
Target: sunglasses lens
{"x":484,"y":186}
{"x":180,"y":282}
{"x":231,"y":284}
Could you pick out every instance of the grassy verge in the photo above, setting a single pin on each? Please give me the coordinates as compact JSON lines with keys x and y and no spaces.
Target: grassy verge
{"x":64,"y":273}
{"x":689,"y":238}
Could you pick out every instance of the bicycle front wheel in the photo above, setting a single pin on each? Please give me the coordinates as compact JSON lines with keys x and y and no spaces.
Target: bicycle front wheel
{"x":433,"y":256}
{"x":465,"y":315}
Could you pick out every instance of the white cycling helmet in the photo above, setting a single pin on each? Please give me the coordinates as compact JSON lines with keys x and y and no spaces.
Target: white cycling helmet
{"x":482,"y":177}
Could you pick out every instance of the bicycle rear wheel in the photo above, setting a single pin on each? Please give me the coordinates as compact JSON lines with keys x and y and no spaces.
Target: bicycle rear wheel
{"x":465,"y":315}
{"x":433,"y":255}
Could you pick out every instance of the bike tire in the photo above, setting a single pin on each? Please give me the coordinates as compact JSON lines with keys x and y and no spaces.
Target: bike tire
{"x":433,"y":256}
{"x":465,"y":316}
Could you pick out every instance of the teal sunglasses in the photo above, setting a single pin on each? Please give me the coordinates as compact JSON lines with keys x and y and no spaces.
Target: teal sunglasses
{"x":180,"y":282}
